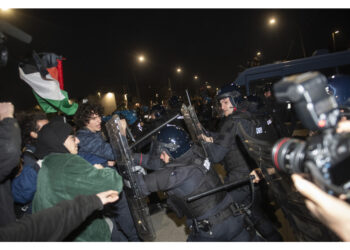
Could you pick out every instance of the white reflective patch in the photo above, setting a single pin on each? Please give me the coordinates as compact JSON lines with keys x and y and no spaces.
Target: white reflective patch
{"x":269,"y":121}
{"x":259,"y":130}
{"x":206,"y":164}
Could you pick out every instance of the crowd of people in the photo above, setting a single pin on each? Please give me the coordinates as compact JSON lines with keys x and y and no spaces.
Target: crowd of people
{"x":60,"y":178}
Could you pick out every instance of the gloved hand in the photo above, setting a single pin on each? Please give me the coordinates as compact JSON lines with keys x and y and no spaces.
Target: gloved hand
{"x":139,"y":170}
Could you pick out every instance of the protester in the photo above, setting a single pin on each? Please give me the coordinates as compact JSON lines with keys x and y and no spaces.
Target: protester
{"x":55,"y":223}
{"x":10,"y":147}
{"x":64,"y":175}
{"x":24,"y":184}
{"x":96,"y":150}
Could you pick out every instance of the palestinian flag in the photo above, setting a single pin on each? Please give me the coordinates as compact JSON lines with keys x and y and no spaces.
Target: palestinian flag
{"x":44,"y":75}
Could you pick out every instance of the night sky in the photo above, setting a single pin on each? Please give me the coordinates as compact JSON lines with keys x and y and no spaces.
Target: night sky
{"x":101,"y":45}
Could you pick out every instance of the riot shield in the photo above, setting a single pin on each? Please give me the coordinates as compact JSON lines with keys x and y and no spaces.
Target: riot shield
{"x":304,"y":226}
{"x":138,"y":205}
{"x":193,"y":125}
{"x":191,"y":121}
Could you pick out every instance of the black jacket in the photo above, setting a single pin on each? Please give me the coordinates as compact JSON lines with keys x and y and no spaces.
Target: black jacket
{"x":52,"y":224}
{"x":184,"y":177}
{"x":10,"y":152}
{"x":229,"y":149}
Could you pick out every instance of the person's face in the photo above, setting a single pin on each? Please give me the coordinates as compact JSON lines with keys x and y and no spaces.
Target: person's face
{"x":165,"y":157}
{"x":94,"y":123}
{"x":71,"y":144}
{"x":226,"y":106}
{"x":267,"y":94}
{"x":39,"y":125}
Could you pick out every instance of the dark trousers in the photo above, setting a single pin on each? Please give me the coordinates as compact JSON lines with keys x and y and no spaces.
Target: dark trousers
{"x":261,"y":222}
{"x":123,"y":224}
{"x":230,"y":229}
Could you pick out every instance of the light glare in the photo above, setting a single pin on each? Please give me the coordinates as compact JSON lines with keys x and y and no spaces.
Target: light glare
{"x":272,"y":21}
{"x":141,"y":58}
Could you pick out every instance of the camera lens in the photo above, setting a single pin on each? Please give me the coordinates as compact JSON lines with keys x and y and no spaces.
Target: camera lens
{"x":288,"y":155}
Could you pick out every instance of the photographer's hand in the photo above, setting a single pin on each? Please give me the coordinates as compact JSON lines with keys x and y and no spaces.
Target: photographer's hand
{"x":330,"y":210}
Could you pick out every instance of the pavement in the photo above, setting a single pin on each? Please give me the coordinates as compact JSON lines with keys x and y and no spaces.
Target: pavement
{"x":169,"y":228}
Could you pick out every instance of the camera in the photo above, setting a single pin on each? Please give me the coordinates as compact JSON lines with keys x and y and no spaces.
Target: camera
{"x":325,"y":158}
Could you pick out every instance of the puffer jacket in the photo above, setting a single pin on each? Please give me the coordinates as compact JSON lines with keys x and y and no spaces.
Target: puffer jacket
{"x":94,"y":148}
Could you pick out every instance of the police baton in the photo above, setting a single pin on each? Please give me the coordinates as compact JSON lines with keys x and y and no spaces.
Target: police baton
{"x":154,"y":130}
{"x":220,"y":188}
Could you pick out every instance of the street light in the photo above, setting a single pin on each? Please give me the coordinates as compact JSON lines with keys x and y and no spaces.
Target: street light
{"x":258,"y":53}
{"x":178,"y":70}
{"x":109,"y":95}
{"x":272,"y":21}
{"x":195,"y":77}
{"x":333,"y":38}
{"x":141,"y":58}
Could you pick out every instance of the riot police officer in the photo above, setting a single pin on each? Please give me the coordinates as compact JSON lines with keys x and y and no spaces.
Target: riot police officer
{"x":277,"y":112}
{"x":186,"y":172}
{"x":226,"y":146}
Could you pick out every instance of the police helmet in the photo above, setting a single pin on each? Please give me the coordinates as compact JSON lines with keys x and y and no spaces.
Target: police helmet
{"x":174,"y":141}
{"x":339,"y":86}
{"x":230,"y":91}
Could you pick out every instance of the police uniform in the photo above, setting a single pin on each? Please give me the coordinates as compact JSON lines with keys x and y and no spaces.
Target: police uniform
{"x":210,"y":218}
{"x":228,"y":148}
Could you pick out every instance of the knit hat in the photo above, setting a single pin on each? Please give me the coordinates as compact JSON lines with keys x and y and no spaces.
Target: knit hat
{"x":52,"y":137}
